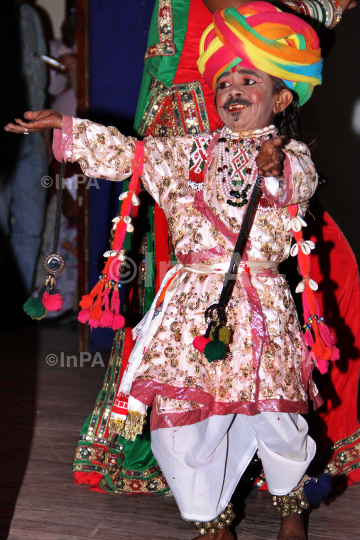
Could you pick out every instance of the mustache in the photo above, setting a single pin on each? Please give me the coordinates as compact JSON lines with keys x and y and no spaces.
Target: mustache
{"x":237,"y":101}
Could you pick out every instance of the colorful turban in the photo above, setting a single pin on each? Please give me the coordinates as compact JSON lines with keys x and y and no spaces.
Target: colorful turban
{"x":261,"y":36}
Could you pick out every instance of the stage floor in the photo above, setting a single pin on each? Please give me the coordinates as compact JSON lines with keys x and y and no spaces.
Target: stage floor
{"x":43,"y":409}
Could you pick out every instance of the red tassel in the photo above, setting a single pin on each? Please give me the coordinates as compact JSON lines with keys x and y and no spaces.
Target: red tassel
{"x":96,"y":312}
{"x":84,"y":316}
{"x":86,"y":301}
{"x":200,"y":343}
{"x":52,"y":302}
{"x":92,"y":312}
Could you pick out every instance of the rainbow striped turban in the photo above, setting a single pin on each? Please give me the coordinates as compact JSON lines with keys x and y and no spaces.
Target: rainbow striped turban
{"x":261,"y":36}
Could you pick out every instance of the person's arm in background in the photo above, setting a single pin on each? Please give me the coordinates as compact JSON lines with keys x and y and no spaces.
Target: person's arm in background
{"x":214,"y":5}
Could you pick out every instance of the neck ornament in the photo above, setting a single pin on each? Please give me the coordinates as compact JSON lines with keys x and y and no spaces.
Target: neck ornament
{"x":250,"y":142}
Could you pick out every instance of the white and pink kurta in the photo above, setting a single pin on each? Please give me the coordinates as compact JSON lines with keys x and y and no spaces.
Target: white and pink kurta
{"x":266,"y":367}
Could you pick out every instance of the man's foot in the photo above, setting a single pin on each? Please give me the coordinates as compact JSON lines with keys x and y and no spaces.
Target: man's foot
{"x":225,"y":534}
{"x":292,"y":528}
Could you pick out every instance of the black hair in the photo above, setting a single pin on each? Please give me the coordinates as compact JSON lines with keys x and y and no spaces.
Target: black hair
{"x":287,"y":121}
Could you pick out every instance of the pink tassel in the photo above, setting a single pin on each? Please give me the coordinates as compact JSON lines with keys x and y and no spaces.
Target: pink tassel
{"x":200,"y":343}
{"x":93,"y":323}
{"x":107,"y":319}
{"x":114,"y":300}
{"x":84,"y":316}
{"x":308,"y":338}
{"x":327,"y":335}
{"x":86,"y":301}
{"x":52,"y":302}
{"x":323,"y":366}
{"x":119,"y":322}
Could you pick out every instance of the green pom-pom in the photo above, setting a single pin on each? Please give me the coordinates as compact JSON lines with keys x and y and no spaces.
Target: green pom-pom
{"x":34,"y":307}
{"x":215,"y":350}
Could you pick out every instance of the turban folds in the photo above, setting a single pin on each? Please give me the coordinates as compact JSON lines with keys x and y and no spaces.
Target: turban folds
{"x":261,"y":36}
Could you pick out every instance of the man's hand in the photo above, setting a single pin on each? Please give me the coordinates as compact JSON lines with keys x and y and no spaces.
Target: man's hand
{"x":271,"y":157}
{"x":37,"y":121}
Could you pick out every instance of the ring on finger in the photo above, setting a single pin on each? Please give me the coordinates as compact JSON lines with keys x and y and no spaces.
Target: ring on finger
{"x":26,"y":131}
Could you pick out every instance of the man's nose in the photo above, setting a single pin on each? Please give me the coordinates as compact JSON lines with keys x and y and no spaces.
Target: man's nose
{"x":236,"y":91}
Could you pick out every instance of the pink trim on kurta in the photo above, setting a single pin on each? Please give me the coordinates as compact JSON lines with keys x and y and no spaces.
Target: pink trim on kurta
{"x":259,"y":333}
{"x":63,"y":140}
{"x":247,"y":408}
{"x":203,"y":208}
{"x":199,"y":256}
{"x":289,"y":184}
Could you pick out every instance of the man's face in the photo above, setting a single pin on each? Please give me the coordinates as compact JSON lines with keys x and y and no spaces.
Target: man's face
{"x":245,"y":98}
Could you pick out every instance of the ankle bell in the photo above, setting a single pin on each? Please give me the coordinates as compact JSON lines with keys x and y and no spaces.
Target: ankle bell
{"x":225,"y":519}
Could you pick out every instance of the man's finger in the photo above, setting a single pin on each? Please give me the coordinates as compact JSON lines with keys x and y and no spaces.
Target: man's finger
{"x":31,"y":115}
{"x":276,"y":141}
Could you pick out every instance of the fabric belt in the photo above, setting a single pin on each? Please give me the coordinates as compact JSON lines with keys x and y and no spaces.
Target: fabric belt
{"x":251,"y":267}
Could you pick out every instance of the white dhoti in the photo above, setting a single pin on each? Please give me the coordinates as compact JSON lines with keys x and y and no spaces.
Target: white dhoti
{"x":204,"y":462}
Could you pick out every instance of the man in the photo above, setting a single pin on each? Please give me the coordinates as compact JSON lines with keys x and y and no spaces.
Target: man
{"x":22,"y":195}
{"x":211,"y":414}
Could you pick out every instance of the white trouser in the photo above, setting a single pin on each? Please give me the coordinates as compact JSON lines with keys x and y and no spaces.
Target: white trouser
{"x":204,"y":462}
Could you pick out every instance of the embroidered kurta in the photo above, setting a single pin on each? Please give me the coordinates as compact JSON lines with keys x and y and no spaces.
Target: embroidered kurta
{"x":265,"y":368}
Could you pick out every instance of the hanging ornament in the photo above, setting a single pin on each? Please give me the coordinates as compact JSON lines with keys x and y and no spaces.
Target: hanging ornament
{"x":54,"y":264}
{"x":317,"y":335}
{"x":101,"y":307}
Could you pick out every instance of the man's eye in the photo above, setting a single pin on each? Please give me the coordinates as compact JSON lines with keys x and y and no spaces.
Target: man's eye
{"x":222,"y":85}
{"x":247,"y":82}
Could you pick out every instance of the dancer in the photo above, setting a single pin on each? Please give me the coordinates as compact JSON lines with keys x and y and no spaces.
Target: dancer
{"x":171,"y":91}
{"x":211,"y":413}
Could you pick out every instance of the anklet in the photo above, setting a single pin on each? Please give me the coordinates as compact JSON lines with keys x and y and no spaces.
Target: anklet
{"x":225,"y":519}
{"x":293,"y":503}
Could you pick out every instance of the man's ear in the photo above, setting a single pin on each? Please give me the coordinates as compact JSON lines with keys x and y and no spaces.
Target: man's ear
{"x":283,"y":100}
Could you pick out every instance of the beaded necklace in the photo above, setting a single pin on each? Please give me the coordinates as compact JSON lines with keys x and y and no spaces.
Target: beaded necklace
{"x":251,"y":141}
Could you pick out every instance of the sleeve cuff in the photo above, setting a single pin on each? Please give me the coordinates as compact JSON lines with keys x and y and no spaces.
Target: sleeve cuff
{"x":63,"y":140}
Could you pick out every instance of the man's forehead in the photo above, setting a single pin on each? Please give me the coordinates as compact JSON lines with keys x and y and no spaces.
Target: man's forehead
{"x":242,"y":71}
